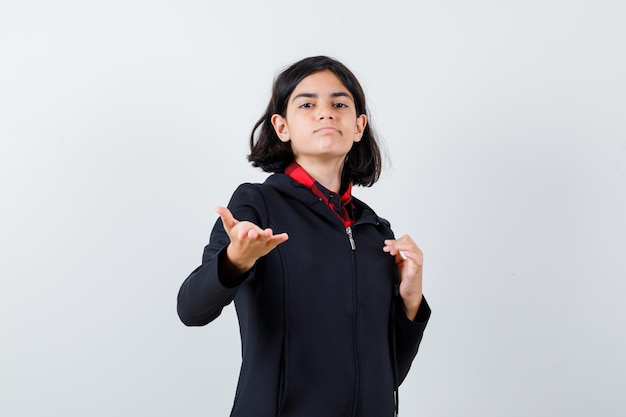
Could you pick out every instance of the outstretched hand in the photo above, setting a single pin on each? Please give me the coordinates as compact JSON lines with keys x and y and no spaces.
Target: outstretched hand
{"x":409,"y":262}
{"x":248,"y":242}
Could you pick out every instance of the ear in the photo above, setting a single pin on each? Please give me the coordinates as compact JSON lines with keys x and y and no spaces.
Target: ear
{"x":280,"y":127}
{"x":361,"y":122}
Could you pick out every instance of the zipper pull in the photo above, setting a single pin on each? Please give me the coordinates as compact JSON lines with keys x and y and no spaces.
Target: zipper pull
{"x":349,"y":232}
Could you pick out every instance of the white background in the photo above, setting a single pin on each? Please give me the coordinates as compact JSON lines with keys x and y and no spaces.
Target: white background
{"x":124,"y":123}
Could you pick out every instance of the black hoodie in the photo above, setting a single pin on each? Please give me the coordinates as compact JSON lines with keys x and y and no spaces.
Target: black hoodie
{"x":323,"y":329}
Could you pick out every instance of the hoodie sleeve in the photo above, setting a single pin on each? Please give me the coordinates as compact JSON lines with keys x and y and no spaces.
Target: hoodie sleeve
{"x":408,"y":335}
{"x":203,"y":295}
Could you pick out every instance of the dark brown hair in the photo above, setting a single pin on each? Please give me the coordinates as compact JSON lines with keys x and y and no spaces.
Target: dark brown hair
{"x":363,"y":162}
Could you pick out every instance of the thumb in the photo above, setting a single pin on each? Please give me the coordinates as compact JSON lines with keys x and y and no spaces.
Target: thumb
{"x":227,"y":218}
{"x":400,"y":257}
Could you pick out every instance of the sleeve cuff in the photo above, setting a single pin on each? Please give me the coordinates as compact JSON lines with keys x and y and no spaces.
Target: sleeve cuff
{"x":423,"y":312}
{"x":227,"y":280}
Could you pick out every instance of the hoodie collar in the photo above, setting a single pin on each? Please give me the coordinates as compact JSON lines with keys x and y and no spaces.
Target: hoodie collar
{"x":342,"y":205}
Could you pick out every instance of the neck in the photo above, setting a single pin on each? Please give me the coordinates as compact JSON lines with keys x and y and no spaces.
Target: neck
{"x":328,"y":174}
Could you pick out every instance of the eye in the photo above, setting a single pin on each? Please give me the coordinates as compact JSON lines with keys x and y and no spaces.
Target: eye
{"x":340,"y":105}
{"x":305,"y":106}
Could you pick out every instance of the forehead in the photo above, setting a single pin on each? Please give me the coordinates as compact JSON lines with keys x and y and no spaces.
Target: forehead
{"x":321,"y":83}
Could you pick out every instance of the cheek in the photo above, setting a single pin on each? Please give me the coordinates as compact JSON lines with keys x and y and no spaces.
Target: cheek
{"x":299,"y":127}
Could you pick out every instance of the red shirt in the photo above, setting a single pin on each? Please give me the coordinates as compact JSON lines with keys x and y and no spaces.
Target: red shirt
{"x":340,"y":205}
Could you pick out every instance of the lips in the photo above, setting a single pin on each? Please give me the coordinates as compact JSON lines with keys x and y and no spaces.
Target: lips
{"x":326,"y":129}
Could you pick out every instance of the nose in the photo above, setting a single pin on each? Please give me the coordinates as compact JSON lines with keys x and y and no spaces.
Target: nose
{"x":325,"y":111}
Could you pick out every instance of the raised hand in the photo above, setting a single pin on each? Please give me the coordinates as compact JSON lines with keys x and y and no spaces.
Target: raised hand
{"x":409,"y":262}
{"x":248,"y":242}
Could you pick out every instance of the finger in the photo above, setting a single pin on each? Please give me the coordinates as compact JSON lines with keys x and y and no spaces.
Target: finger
{"x":260,"y":234}
{"x":405,"y":239}
{"x":394,"y":246}
{"x":268,"y":236}
{"x":227,"y":217}
{"x":279,"y":238}
{"x":389,"y":248}
{"x":276,"y":240}
{"x":405,"y":245}
{"x":403,"y":252}
{"x":408,"y":253}
{"x":251,"y":231}
{"x":399,"y":258}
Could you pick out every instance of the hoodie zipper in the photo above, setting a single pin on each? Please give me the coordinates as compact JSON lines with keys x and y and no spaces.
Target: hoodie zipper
{"x":355,"y":332}
{"x":357,"y":396}
{"x":355,"y":326}
{"x":350,"y":238}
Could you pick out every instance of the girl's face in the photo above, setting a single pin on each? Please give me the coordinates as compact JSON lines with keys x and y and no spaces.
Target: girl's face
{"x":321,"y":121}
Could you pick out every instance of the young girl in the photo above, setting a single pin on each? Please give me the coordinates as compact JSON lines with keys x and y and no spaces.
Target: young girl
{"x":330,"y":304}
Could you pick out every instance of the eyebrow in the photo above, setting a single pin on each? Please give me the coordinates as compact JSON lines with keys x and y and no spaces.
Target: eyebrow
{"x":312,"y":95}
